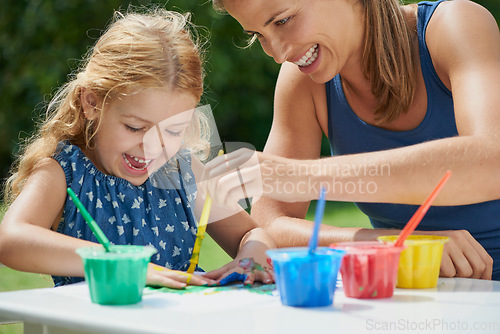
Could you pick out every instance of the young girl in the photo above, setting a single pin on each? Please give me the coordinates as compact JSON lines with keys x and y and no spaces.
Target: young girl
{"x":144,"y":76}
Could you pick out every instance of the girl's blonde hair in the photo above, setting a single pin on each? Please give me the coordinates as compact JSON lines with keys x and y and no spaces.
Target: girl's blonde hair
{"x":388,"y":56}
{"x":154,"y":49}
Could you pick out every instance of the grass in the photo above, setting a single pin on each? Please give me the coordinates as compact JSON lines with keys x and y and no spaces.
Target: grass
{"x":211,"y":255}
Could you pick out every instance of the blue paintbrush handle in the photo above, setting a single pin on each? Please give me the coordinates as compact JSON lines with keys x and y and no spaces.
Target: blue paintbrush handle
{"x":318,"y":217}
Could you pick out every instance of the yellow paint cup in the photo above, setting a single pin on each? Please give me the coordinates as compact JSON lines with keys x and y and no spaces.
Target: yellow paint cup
{"x":419,"y":263}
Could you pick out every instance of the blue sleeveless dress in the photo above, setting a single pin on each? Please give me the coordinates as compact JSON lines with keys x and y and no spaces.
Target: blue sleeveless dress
{"x":157,"y":213}
{"x":348,"y":134}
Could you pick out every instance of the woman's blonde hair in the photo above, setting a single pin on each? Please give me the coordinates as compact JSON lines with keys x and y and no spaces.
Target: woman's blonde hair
{"x":153,"y":49}
{"x":389,"y":58}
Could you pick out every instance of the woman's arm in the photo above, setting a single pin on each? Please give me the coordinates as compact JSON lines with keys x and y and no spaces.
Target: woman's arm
{"x":464,"y":43}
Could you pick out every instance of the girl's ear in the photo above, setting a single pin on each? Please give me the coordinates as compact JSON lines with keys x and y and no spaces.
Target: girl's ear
{"x":89,"y":103}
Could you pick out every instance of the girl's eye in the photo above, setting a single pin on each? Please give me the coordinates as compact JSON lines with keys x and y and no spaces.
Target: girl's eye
{"x":132,"y":129}
{"x":282,"y":21}
{"x":174,"y":133}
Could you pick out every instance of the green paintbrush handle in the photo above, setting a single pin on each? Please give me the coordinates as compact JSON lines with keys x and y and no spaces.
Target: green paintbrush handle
{"x":99,"y":234}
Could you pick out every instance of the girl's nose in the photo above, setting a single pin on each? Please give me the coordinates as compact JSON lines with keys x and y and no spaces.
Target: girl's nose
{"x":151,"y":144}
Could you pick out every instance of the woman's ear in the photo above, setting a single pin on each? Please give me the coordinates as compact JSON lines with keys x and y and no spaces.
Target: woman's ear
{"x":89,"y":103}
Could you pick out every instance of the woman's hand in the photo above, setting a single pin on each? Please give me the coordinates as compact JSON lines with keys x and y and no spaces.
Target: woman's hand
{"x":161,"y":276}
{"x":463,"y":256}
{"x":246,"y":173}
{"x":253,"y":271}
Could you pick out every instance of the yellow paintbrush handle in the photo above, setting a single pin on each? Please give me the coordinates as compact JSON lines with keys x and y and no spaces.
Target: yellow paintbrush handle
{"x":202,"y":226}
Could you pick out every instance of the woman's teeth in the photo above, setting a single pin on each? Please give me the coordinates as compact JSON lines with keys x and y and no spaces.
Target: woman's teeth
{"x":309,"y":57}
{"x":141,"y":163}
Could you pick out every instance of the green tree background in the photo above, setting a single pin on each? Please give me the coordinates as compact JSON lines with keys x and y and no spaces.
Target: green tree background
{"x":41,"y":42}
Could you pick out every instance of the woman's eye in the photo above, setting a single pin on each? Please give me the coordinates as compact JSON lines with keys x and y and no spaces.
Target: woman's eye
{"x":132,"y":129}
{"x":253,"y":36}
{"x":282,"y":21}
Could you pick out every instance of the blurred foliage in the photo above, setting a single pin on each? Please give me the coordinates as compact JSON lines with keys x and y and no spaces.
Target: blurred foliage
{"x":41,"y":42}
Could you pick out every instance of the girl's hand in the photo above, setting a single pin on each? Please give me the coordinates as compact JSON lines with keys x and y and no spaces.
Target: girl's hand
{"x":254,"y":271}
{"x":161,"y":276}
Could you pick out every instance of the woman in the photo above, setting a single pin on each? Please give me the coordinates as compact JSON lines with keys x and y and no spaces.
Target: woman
{"x":403,"y":93}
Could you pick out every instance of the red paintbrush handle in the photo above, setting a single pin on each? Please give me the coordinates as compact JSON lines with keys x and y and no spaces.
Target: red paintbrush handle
{"x":420,"y":213}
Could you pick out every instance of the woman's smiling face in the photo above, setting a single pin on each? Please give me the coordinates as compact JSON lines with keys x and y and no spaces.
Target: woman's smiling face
{"x":123,"y":149}
{"x":319,"y":36}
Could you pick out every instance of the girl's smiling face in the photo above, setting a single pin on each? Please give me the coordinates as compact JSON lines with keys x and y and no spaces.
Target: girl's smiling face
{"x":139,"y":131}
{"x":319,"y":36}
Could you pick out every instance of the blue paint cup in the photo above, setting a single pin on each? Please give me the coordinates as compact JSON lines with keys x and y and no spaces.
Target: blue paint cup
{"x":306,"y":280}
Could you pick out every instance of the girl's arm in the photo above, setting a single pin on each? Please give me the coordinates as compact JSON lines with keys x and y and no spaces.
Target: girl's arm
{"x":242,"y":239}
{"x":28,"y":241}
{"x":237,"y":234}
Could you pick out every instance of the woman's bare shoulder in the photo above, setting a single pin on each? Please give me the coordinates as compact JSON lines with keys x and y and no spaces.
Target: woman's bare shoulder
{"x":461,"y":33}
{"x":452,"y":17}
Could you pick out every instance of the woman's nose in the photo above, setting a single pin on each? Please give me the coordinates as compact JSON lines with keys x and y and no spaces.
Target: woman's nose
{"x":277,"y":49}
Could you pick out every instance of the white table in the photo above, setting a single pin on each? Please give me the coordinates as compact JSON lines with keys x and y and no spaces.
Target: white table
{"x":455,"y":306}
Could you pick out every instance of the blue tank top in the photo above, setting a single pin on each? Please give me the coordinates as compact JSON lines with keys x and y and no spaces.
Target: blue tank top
{"x":157,"y":213}
{"x":348,"y":134}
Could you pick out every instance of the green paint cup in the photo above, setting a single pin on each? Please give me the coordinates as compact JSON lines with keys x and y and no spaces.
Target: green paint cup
{"x":117,"y":277}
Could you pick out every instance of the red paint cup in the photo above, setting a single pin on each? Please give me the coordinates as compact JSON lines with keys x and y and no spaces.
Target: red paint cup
{"x":369,"y":269}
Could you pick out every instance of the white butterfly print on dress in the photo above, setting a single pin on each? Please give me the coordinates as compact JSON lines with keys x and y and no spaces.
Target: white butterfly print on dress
{"x":136,"y":204}
{"x":126,"y":219}
{"x":162,"y":203}
{"x":176,"y":252}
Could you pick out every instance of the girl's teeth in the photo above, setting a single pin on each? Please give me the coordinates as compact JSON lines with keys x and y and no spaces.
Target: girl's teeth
{"x":142,"y":161}
{"x":309,"y":57}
